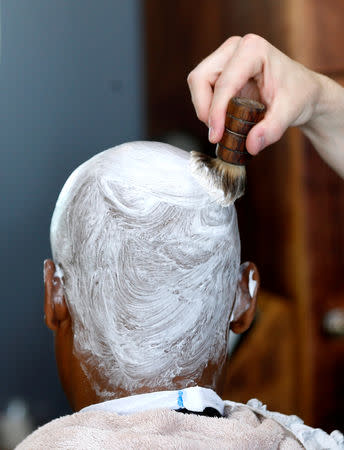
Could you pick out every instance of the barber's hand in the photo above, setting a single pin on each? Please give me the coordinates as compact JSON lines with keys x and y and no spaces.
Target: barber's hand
{"x":251,"y":67}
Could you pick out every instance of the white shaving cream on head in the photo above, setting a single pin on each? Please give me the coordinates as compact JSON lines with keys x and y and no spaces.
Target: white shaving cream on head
{"x":150,"y":266}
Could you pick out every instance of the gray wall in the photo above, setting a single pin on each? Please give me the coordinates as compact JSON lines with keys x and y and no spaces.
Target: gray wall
{"x":70,"y":86}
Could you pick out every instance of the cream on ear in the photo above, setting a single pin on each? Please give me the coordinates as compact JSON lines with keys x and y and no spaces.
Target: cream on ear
{"x":245,"y":298}
{"x":55,"y":308}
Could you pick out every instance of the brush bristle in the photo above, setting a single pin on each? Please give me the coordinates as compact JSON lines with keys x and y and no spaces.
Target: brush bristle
{"x":224,"y":182}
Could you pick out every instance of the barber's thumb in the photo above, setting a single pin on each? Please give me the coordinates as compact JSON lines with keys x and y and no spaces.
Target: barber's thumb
{"x":265,"y":133}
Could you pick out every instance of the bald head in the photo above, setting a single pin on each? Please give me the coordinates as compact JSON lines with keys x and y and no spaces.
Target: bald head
{"x":150,"y":266}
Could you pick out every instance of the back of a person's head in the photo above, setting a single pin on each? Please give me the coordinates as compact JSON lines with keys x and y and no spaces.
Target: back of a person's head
{"x":150,"y":265}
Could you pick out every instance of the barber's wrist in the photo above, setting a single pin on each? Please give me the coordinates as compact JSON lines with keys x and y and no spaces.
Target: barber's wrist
{"x":328,"y":103}
{"x":316,"y":102}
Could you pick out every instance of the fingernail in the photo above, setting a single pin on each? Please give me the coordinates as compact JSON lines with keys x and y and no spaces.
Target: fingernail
{"x":261,"y":143}
{"x":211,"y":133}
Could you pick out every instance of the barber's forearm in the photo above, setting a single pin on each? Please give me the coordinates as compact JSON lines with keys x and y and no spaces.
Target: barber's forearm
{"x":326,"y":127}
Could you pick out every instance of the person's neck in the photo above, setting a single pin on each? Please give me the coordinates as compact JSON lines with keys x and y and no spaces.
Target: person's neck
{"x":120,"y":392}
{"x":86,"y":393}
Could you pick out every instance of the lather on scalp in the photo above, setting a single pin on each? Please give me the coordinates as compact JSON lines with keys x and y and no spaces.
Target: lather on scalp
{"x":150,"y":265}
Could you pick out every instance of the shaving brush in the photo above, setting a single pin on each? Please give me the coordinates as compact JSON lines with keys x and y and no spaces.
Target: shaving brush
{"x":224,"y":177}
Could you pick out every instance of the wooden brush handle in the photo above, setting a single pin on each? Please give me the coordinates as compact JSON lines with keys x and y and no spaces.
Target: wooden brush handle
{"x":242,"y":115}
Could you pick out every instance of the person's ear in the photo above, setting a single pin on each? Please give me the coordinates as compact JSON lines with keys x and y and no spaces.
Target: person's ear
{"x":246,"y":298}
{"x":55,"y":308}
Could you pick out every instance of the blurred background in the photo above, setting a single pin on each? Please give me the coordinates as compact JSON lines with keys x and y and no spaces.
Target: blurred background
{"x":77,"y":77}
